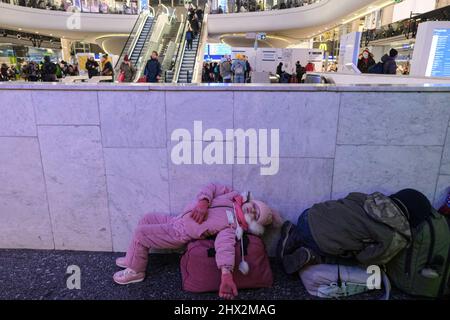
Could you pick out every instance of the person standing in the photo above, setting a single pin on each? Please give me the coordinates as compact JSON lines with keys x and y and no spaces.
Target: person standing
{"x":128,"y":70}
{"x":299,"y":71}
{"x":48,"y":70}
{"x":280,"y":70}
{"x":225,"y":69}
{"x":189,"y":38}
{"x":152,"y":70}
{"x":248,"y":69}
{"x":238,"y":68}
{"x":389,"y":64}
{"x":365,"y":62}
{"x":107,"y":68}
{"x":91,"y":67}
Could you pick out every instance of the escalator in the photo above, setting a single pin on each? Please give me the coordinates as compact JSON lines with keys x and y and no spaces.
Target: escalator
{"x":188,"y":62}
{"x":184,"y":69}
{"x":137,"y":41}
{"x":141,"y":40}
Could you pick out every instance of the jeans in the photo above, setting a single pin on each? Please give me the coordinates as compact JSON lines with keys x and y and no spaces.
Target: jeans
{"x":239,"y":78}
{"x":305,"y":234}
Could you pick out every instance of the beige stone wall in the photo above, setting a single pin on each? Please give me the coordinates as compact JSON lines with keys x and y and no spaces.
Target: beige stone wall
{"x":442,"y":3}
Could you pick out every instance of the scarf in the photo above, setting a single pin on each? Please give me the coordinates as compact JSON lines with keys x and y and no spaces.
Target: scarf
{"x":239,"y":201}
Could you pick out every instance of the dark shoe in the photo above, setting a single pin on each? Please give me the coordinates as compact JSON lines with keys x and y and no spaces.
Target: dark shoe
{"x":299,"y":259}
{"x":289,"y":240}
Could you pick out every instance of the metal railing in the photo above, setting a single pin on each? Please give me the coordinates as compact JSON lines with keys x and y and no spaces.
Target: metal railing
{"x":258,"y":6}
{"x":140,"y":66}
{"x":100,"y":8}
{"x":407,"y":27}
{"x":203,"y":38}
{"x":180,"y":52}
{"x":132,"y":39}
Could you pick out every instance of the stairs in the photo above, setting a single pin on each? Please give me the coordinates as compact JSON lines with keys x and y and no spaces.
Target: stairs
{"x":141,"y":41}
{"x":187,"y":65}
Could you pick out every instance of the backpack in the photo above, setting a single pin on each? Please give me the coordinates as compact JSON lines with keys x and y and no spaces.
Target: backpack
{"x":239,"y":69}
{"x":377,"y":68}
{"x":199,"y":272}
{"x":423,"y":269}
{"x":50,"y":68}
{"x":227,"y":66}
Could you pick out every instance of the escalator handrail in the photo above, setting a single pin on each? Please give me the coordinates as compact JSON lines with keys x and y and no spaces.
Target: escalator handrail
{"x":198,"y":60}
{"x":142,"y":61}
{"x":180,"y":53}
{"x":141,"y":16}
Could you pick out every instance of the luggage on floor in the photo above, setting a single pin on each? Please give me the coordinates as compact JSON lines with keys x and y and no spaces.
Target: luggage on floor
{"x":199,"y":271}
{"x":377,"y":68}
{"x":337,"y":281}
{"x":422,"y":269}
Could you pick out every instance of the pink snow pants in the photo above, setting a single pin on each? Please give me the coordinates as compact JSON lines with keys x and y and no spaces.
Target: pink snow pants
{"x":157,"y":231}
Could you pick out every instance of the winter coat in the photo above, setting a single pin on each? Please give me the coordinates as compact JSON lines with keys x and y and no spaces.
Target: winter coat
{"x":129,"y":70}
{"x":225,"y":69}
{"x":152,"y":70}
{"x":221,"y":200}
{"x":365,"y":64}
{"x":238,"y":65}
{"x":49,"y":71}
{"x":343,"y":228}
{"x":389,"y":65}
{"x":92,"y":68}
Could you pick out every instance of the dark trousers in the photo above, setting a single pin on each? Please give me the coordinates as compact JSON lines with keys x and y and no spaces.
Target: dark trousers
{"x":189,"y":44}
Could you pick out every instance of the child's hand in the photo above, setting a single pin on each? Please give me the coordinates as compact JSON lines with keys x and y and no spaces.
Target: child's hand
{"x":200,"y":212}
{"x":228,"y":289}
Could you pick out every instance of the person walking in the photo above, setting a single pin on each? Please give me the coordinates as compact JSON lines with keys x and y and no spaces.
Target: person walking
{"x":238,"y":68}
{"x":152,"y":70}
{"x":127,"y":70}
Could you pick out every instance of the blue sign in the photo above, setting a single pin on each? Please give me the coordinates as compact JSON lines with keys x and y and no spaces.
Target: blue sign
{"x":215,"y":51}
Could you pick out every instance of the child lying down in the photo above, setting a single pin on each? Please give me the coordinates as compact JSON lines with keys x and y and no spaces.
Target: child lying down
{"x":218,"y":211}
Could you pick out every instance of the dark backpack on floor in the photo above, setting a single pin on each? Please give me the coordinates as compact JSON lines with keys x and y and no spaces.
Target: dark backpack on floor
{"x":423,"y":268}
{"x":377,"y":68}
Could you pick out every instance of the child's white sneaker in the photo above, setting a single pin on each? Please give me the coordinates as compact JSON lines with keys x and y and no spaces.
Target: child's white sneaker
{"x":128,"y":276}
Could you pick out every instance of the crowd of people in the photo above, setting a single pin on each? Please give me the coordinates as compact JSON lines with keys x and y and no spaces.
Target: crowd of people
{"x":33,"y":71}
{"x":235,"y":6}
{"x":227,"y":70}
{"x":297,"y":76}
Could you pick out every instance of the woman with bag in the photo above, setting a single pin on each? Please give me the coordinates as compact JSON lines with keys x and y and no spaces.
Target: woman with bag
{"x":127,"y":71}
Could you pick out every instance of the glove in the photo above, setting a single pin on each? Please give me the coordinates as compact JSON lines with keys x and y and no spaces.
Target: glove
{"x":228,"y":289}
{"x":200,"y":212}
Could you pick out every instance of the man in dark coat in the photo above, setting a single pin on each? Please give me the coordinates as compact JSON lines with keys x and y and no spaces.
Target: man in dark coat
{"x":389,"y":64}
{"x":349,"y":229}
{"x":153,"y":68}
{"x":48,"y":70}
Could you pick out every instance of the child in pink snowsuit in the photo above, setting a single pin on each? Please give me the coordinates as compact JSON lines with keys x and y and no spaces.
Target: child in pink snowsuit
{"x":218,"y":210}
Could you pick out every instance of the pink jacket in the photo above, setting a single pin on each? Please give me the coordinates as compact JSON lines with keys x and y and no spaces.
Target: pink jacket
{"x":220,"y":201}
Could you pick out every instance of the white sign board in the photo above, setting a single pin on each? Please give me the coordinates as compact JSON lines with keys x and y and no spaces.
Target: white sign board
{"x":431,"y":56}
{"x":349,"y":50}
